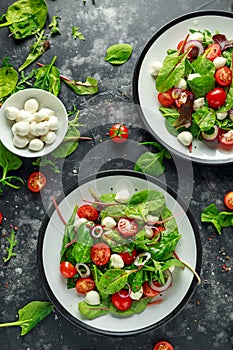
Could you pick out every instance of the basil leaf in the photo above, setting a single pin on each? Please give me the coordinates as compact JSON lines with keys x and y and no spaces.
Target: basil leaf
{"x":118,"y":54}
{"x":201,"y":85}
{"x":112,"y":281}
{"x":205,"y":118}
{"x":9,"y":79}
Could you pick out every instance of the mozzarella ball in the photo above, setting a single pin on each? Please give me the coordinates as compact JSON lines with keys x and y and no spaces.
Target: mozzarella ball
{"x":46,"y":112}
{"x":92,"y":298}
{"x":31,"y":105}
{"x":20,"y":141}
{"x":156,"y":68}
{"x":33,"y":129}
{"x":12,"y":113}
{"x":36,"y":145}
{"x":192,"y":76}
{"x":49,"y":138}
{"x":108,"y":222}
{"x":42,"y":128}
{"x":122,"y":196}
{"x":219,"y":62}
{"x":185,"y":137}
{"x":221,"y":115}
{"x":182,"y":84}
{"x":22,"y":128}
{"x":30,"y":137}
{"x":25,"y":116}
{"x":198,"y":103}
{"x":136,"y":295}
{"x":196,"y":36}
{"x":116,"y":261}
{"x":53,"y":122}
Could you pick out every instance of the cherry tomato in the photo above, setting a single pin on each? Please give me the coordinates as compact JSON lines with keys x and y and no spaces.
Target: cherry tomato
{"x":165,"y":98}
{"x":84,"y":285}
{"x":1,"y":218}
{"x":225,"y":137}
{"x":148,"y":291}
{"x":36,"y":181}
{"x":88,"y":212}
{"x":67,"y":269}
{"x":216,"y":97}
{"x":157,"y":230}
{"x":121,"y":300}
{"x":228,"y":200}
{"x":182,"y":98}
{"x":223,"y":76}
{"x":119,"y":133}
{"x":127,"y":227}
{"x":100,"y":253}
{"x":128,"y":258}
{"x":163,"y":345}
{"x":180,"y":45}
{"x":213,"y":51}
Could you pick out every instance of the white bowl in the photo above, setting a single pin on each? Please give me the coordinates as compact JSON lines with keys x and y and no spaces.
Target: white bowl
{"x":145,"y":93}
{"x":50,"y":243}
{"x":45,"y":99}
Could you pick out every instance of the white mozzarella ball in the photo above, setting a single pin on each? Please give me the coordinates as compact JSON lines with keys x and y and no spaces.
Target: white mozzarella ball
{"x":221,"y":115}
{"x":192,"y":76}
{"x":219,"y":62}
{"x":53,"y":122}
{"x":22,"y":128}
{"x":156,"y":68}
{"x":12,"y":113}
{"x":46,"y":112}
{"x":122,"y":196}
{"x":36,"y":145}
{"x":42,"y":128}
{"x":185,"y":137}
{"x":49,"y":138}
{"x":31,"y":105}
{"x":33,"y":129}
{"x":20,"y":141}
{"x":92,"y":298}
{"x":39,"y":117}
{"x":25,"y":116}
{"x":30,"y":136}
{"x":136,"y":295}
{"x":116,"y":261}
{"x":182,"y":84}
{"x":198,"y":103}
{"x":108,"y":222}
{"x":196,"y":36}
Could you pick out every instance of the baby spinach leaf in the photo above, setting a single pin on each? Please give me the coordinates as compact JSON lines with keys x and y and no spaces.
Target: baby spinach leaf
{"x":8,"y":79}
{"x":163,"y":249}
{"x":112,"y":281}
{"x":48,"y":78}
{"x":25,"y":17}
{"x":203,"y":66}
{"x":201,"y":85}
{"x":81,"y":251}
{"x":69,"y":232}
{"x":136,"y":308}
{"x":218,"y":218}
{"x":118,"y":54}
{"x":30,"y":315}
{"x":92,"y":311}
{"x":205,"y":118}
{"x":89,"y":87}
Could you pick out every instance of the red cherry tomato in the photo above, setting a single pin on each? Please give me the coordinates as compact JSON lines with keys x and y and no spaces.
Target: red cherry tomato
{"x":213,"y":51}
{"x":121,"y":300}
{"x":163,"y":345}
{"x":128,"y":258}
{"x":100,"y":253}
{"x":157,"y":230}
{"x":36,"y":181}
{"x":148,"y":291}
{"x":1,"y":218}
{"x":84,"y":285}
{"x":180,"y":45}
{"x":119,"y":133}
{"x":228,"y":200}
{"x":88,"y":212}
{"x":127,"y":227}
{"x":216,"y":97}
{"x":67,"y":269}
{"x":183,"y":96}
{"x":225,"y":137}
{"x":165,"y":98}
{"x":223,"y":76}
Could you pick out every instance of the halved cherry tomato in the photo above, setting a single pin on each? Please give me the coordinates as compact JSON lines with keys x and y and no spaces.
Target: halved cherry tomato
{"x":100,"y":253}
{"x":128,"y":258}
{"x":36,"y":181}
{"x":165,"y":98}
{"x":225,"y":137}
{"x":88,"y":212}
{"x":67,"y":269}
{"x":182,"y":98}
{"x":213,"y":51}
{"x":121,"y":300}
{"x":148,"y":291}
{"x":223,"y":76}
{"x":157,"y":230}
{"x":228,"y":200}
{"x":216,"y":97}
{"x":127,"y":227}
{"x":84,"y":285}
{"x":163,"y":345}
{"x":119,"y":133}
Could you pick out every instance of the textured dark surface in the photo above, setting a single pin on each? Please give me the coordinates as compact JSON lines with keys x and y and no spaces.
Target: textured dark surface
{"x":206,"y":320}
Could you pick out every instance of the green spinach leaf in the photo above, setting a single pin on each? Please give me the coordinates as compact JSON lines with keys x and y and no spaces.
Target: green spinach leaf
{"x":89,"y":87}
{"x":118,"y":54}
{"x":12,"y":241}
{"x":8,"y":79}
{"x":69,"y":232}
{"x":218,"y":218}
{"x":201,"y":85}
{"x":112,"y":281}
{"x":205,"y":118}
{"x":203,"y":66}
{"x":48,"y":78}
{"x":81,"y":251}
{"x":92,"y":311}
{"x":77,"y":34}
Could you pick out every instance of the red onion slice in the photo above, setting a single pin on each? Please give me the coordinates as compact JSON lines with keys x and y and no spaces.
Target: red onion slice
{"x":122,"y":295}
{"x":194,"y":43}
{"x":162,"y":288}
{"x":97,"y":231}
{"x":80,"y":267}
{"x":144,"y":256}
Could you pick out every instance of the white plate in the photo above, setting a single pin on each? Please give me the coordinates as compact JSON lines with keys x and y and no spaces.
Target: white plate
{"x":145,"y":93}
{"x":66,"y":301}
{"x":45,"y":99}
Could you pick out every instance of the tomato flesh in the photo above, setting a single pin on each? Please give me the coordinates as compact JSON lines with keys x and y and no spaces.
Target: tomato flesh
{"x":213,"y":51}
{"x":128,"y":258}
{"x":88,"y":212}
{"x":121,"y":300}
{"x":228,"y":200}
{"x":36,"y":181}
{"x":84,"y":285}
{"x":223,"y":76}
{"x":226,"y":137}
{"x":119,"y":133}
{"x":67,"y":269}
{"x":127,"y":227}
{"x":165,"y":98}
{"x":100,"y":253}
{"x":216,"y":97}
{"x":148,"y":291}
{"x":163,"y":345}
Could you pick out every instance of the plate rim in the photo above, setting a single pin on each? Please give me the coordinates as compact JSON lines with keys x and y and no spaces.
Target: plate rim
{"x":136,"y":72}
{"x":77,"y":322}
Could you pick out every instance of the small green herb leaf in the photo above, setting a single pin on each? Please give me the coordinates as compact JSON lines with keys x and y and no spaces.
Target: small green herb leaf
{"x":118,"y":54}
{"x":54,"y":26}
{"x":77,"y":34}
{"x":9,"y":249}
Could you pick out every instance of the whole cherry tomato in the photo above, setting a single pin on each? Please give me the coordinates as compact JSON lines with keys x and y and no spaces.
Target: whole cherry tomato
{"x":216,"y":97}
{"x":67,"y":269}
{"x":228,"y":200}
{"x":121,"y":300}
{"x":163,"y":345}
{"x":119,"y":133}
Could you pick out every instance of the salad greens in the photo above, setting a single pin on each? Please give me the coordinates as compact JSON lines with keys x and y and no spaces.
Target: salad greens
{"x":77,"y":34}
{"x":54,"y":30}
{"x":118,"y":54}
{"x":78,"y":243}
{"x":12,"y":241}
{"x":48,"y":78}
{"x":9,"y":76}
{"x":218,"y":218}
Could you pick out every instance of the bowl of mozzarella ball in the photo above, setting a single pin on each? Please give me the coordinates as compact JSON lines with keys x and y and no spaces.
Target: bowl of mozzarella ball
{"x":33,"y":122}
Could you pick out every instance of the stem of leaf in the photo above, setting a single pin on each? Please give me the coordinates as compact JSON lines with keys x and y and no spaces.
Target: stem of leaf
{"x":15,"y":323}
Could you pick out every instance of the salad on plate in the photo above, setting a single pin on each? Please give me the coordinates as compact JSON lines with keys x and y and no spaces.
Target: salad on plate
{"x":195,"y":88}
{"x":118,"y":252}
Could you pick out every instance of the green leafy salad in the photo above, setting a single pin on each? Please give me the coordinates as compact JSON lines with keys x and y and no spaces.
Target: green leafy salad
{"x":195,"y":88}
{"x":119,"y":252}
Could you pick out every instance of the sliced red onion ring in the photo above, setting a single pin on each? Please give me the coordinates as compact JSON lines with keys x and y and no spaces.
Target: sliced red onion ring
{"x":211,"y":137}
{"x":144,"y":256}
{"x":194,"y":43}
{"x":162,"y":288}
{"x":176,"y":93}
{"x":125,"y":295}
{"x":97,"y":231}
{"x":80,"y":267}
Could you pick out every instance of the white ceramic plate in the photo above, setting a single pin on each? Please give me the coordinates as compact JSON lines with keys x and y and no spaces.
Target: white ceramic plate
{"x":66,"y":301}
{"x":45,"y":99}
{"x":145,"y":93}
